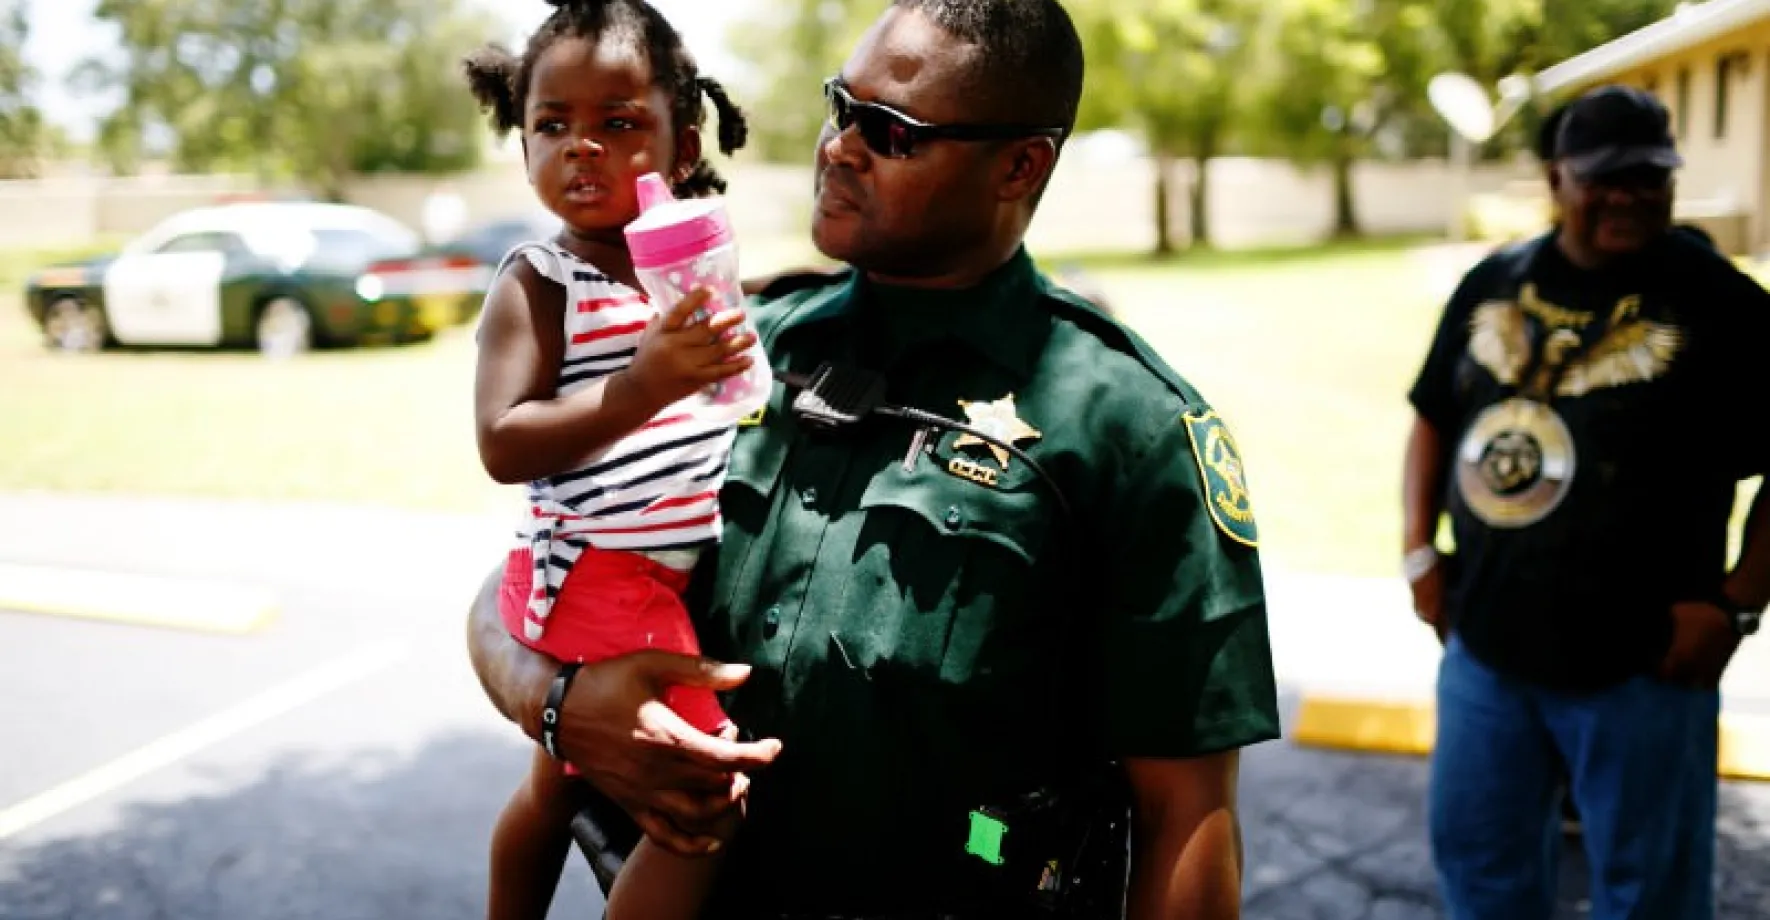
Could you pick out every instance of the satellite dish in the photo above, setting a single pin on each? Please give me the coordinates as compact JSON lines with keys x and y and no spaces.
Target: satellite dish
{"x":1516,"y":89}
{"x":1462,"y":102}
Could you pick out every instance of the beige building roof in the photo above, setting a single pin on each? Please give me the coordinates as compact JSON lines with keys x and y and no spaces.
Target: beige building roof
{"x":1691,"y":25}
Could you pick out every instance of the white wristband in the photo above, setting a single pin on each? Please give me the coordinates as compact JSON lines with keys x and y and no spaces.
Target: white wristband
{"x":1419,"y":562}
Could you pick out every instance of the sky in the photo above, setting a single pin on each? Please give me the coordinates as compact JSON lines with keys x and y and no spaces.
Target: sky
{"x":62,"y":32}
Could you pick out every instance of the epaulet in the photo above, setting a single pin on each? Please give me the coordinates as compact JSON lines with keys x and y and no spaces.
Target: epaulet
{"x":1090,"y":318}
{"x":774,"y":287}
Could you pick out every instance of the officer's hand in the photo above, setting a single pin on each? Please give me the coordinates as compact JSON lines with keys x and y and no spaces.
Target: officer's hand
{"x":678,"y":783}
{"x":1429,"y":600}
{"x":1703,"y":641}
{"x":680,"y":353}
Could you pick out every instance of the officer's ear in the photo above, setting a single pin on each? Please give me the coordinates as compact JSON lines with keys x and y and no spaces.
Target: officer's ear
{"x":1026,"y":168}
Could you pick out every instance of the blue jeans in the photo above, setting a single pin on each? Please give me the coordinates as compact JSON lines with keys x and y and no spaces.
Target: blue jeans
{"x":1640,"y":760}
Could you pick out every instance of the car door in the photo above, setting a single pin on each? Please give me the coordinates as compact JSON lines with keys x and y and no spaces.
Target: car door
{"x":172,"y":294}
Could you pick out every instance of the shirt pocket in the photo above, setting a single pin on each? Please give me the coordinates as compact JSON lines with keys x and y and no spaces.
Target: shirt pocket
{"x":758,"y":454}
{"x":957,"y":596}
{"x":746,"y":501}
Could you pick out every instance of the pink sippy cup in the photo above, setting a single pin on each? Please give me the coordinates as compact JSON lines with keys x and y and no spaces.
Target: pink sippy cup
{"x":678,"y":246}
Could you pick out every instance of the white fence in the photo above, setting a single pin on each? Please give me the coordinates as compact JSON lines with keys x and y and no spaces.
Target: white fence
{"x":1089,"y":207}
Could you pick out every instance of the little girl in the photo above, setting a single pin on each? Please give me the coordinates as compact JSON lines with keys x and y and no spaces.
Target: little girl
{"x":584,"y":392}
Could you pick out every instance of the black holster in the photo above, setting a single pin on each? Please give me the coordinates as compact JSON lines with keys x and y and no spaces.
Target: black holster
{"x":606,"y":835}
{"x":1066,"y":855}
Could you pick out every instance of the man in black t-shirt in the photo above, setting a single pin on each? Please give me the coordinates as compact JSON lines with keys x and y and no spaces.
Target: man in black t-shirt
{"x":1585,"y":414}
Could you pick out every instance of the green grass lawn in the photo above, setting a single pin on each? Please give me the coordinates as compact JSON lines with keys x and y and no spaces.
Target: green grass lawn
{"x":1307,"y":354}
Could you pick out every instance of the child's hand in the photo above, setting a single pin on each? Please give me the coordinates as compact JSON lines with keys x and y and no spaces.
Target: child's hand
{"x":679,"y":354}
{"x":726,"y":828}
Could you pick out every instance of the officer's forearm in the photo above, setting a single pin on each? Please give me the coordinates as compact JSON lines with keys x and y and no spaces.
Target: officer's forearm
{"x":1422,"y":484}
{"x":1749,"y":582}
{"x":1185,"y":839}
{"x":513,"y":677}
{"x":1188,"y":871}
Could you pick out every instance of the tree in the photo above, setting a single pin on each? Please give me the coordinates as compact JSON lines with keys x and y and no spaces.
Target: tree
{"x":1177,"y":71}
{"x":23,"y":133}
{"x":1343,"y":75}
{"x":315,"y":90}
{"x":796,"y":45}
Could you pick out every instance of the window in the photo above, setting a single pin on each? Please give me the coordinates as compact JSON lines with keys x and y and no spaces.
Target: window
{"x":1723,"y":70}
{"x":1682,"y":113}
{"x":349,"y":249}
{"x":1727,"y":67}
{"x":345,"y":244}
{"x":202,"y":242}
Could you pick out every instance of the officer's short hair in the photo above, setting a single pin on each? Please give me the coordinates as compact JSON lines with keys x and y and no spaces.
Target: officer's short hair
{"x":1029,"y":63}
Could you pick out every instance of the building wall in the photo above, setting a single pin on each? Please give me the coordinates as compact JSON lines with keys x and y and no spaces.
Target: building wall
{"x":1726,"y":176}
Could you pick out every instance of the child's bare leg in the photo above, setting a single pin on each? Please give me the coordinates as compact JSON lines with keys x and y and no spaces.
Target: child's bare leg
{"x":656,"y":884}
{"x":530,"y":843}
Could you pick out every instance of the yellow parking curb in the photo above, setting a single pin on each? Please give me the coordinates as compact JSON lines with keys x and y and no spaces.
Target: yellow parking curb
{"x":1398,"y":727}
{"x":1375,"y":725}
{"x":142,"y":600}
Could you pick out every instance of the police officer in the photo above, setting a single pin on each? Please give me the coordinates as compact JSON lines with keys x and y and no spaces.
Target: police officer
{"x":944,"y":631}
{"x":1582,"y":418}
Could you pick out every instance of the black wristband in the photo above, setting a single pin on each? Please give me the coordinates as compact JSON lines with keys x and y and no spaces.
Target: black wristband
{"x":550,"y":709}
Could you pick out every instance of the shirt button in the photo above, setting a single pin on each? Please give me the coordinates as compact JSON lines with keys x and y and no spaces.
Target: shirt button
{"x":771,"y":622}
{"x":954,"y":518}
{"x":808,"y":497}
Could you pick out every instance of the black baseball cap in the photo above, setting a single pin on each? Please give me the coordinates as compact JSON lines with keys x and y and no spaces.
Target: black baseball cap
{"x":1613,"y":128}
{"x":1547,"y":132}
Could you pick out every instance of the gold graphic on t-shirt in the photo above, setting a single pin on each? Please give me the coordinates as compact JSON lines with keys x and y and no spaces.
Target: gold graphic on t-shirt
{"x":1631,"y":350}
{"x":1552,"y":315}
{"x":1515,"y":464}
{"x":1635,"y":351}
{"x":1499,"y":340}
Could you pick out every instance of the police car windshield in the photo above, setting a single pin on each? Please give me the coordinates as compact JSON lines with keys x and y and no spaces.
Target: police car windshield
{"x":349,"y":246}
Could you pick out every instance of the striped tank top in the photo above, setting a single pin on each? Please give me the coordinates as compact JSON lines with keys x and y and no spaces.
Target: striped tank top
{"x":655,"y":491}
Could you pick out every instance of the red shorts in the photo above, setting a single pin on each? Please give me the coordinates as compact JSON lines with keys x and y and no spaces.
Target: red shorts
{"x":613,"y":603}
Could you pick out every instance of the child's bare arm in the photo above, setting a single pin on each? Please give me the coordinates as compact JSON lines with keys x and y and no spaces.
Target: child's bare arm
{"x":526,"y":432}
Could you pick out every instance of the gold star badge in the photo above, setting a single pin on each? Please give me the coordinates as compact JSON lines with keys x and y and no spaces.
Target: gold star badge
{"x":1000,"y":420}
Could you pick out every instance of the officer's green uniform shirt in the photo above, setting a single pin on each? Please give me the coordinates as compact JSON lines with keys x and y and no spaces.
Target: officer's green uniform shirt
{"x":923,"y":643}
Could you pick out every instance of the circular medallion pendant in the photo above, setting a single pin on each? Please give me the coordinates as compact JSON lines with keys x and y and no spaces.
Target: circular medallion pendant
{"x":1515,"y":464}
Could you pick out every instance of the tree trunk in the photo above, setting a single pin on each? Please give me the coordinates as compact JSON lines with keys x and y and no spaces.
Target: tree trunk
{"x":1345,"y":207}
{"x":1164,"y":236}
{"x":1201,"y":196}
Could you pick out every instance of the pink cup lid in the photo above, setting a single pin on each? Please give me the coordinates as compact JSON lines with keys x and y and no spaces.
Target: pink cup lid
{"x":668,"y":231}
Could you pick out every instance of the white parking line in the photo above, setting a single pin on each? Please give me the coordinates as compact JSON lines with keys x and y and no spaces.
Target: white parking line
{"x":164,"y":752}
{"x":203,"y":605}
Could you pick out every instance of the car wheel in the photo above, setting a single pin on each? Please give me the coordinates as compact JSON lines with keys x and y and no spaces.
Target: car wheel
{"x":73,"y":325}
{"x":285,"y":328}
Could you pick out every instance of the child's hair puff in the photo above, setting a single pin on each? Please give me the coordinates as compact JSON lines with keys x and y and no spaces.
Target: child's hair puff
{"x":500,"y":79}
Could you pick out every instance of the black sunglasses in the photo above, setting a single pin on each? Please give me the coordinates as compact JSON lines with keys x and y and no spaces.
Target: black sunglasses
{"x":890,"y":133}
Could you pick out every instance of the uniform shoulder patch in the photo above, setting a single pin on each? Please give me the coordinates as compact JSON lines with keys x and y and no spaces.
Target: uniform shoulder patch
{"x":1225,"y":478}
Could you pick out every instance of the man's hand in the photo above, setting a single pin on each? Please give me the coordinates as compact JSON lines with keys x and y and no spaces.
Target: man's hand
{"x":1428,"y":592}
{"x":682,"y":787}
{"x":1703,"y":642}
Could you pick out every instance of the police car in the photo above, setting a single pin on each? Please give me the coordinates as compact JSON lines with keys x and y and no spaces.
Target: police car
{"x":282,"y":277}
